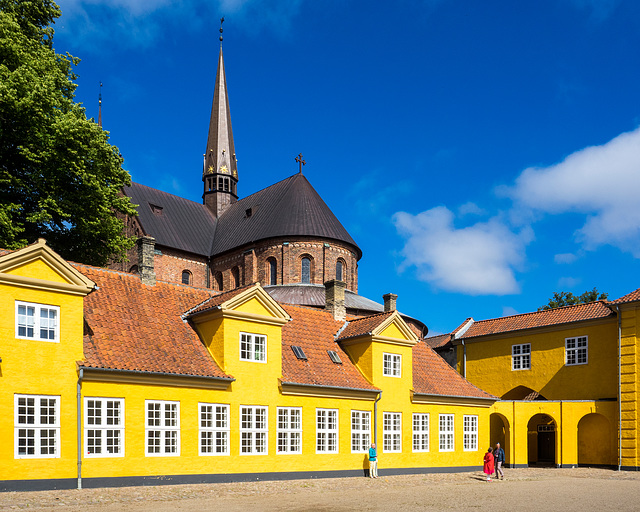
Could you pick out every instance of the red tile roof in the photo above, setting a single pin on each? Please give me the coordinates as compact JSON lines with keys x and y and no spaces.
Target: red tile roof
{"x":558,"y":316}
{"x":132,"y":326}
{"x":433,"y":376}
{"x":438,"y":341}
{"x":364,"y":325}
{"x":629,"y":297}
{"x":313,"y":330}
{"x":215,"y":300}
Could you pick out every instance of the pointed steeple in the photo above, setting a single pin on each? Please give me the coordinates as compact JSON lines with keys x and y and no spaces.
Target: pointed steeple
{"x":220,"y":173}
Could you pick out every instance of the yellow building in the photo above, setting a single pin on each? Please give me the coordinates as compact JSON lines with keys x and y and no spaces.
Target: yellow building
{"x":562,"y":384}
{"x":111,"y":381}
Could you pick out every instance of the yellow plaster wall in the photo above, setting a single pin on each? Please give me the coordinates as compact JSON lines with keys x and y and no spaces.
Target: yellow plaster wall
{"x":392,"y":331}
{"x":37,"y":269}
{"x":361,"y":354}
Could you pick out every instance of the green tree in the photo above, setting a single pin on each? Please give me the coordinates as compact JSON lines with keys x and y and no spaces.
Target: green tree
{"x":560,"y":299}
{"x":59,"y":177}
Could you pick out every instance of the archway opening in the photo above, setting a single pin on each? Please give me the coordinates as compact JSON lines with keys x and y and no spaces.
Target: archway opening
{"x":541,"y":440}
{"x":499,"y":433}
{"x":594,"y":441}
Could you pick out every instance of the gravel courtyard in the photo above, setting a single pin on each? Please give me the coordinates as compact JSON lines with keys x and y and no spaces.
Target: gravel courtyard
{"x":523,"y":490}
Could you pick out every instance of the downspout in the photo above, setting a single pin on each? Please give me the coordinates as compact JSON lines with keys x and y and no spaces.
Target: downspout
{"x":79,"y":428}
{"x":464,"y":358}
{"x":619,"y":388}
{"x":375,"y":418}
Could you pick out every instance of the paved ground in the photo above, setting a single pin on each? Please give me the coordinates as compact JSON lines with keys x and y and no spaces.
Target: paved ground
{"x":523,"y":490}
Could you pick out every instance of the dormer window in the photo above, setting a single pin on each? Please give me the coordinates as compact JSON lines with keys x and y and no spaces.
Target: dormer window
{"x":333,"y":355}
{"x":391,"y":365}
{"x":37,"y":322}
{"x":248,"y":212}
{"x":299,"y":352}
{"x":155,"y":209}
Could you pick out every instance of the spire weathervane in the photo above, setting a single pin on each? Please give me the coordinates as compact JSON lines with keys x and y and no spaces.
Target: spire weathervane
{"x":301,"y":162}
{"x":221,"y":22}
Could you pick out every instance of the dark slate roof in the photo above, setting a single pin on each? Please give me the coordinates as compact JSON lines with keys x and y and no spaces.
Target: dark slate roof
{"x":181,"y":224}
{"x":290,"y":207}
{"x":315,"y":295}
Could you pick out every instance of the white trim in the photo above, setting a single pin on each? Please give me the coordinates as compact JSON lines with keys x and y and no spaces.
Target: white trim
{"x":361,"y":434}
{"x":103,"y":426}
{"x":576,"y":350}
{"x":392,"y":432}
{"x":254,"y":432}
{"x":470,"y":433}
{"x":291,"y":431}
{"x":520,"y":357}
{"x":325,"y":432}
{"x":37,"y":309}
{"x":446,"y":435}
{"x":394,"y":368}
{"x":217,"y":428}
{"x":421,"y":434}
{"x":164,"y":427}
{"x":37,"y":427}
{"x":251,"y":346}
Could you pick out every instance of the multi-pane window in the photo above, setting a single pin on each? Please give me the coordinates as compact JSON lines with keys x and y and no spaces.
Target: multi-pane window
{"x":104,"y":427}
{"x":37,"y":322}
{"x":37,"y":426}
{"x":214,"y":429}
{"x":391,"y":365}
{"x":446,"y":433}
{"x":253,"y":347}
{"x":289,"y":431}
{"x":305,"y":270}
{"x":421,"y":432}
{"x":327,"y":430}
{"x":162,"y":428}
{"x":470,"y":433}
{"x":521,"y":357}
{"x":254,"y":428}
{"x":576,"y":350}
{"x":392,"y":431}
{"x":360,"y":431}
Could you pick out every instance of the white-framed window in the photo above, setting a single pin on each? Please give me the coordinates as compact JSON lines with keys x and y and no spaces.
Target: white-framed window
{"x":326,"y":430}
{"x":392,"y":432}
{"x":521,"y":357}
{"x":162,"y":428}
{"x":254,"y":430}
{"x":576,"y":350}
{"x":103,"y":427}
{"x":391,"y":365}
{"x":37,"y":322}
{"x":253,"y":347}
{"x":360,"y":431}
{"x":446,"y":433}
{"x":470,"y":433}
{"x":289,"y":430}
{"x":421,"y":432}
{"x":214,"y":429}
{"x":36,"y":427}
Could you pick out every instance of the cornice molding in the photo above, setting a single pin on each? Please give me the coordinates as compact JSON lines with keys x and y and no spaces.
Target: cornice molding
{"x":319,"y":391}
{"x":422,"y":398}
{"x":157,"y":379}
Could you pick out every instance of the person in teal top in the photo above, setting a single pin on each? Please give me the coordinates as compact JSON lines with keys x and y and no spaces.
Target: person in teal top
{"x":373,"y":461}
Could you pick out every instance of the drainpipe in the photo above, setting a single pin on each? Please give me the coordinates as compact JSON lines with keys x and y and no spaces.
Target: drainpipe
{"x":464,"y":358}
{"x":79,"y":428}
{"x":619,"y":387}
{"x":375,"y":419}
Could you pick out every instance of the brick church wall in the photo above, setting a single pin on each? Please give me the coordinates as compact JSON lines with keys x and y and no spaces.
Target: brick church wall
{"x":170,"y":263}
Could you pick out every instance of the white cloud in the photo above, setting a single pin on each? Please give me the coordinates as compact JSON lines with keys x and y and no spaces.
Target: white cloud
{"x":601,"y":182}
{"x":565,"y":258}
{"x":568,"y":282}
{"x":479,"y":259}
{"x":470,"y":209}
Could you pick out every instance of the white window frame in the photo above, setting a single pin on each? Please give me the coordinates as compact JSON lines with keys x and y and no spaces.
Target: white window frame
{"x":446,"y":432}
{"x":37,"y":310}
{"x":360,"y":431}
{"x":254,"y":435}
{"x":580,"y":346}
{"x":391,"y":365}
{"x":164,"y":428}
{"x":253,"y":341}
{"x":289,"y":430}
{"x":213,"y":429}
{"x":392,"y":432}
{"x":521,"y":357}
{"x":30,"y":426}
{"x":107,"y":425}
{"x":420,"y":434}
{"x":470,"y":433}
{"x":327,"y":431}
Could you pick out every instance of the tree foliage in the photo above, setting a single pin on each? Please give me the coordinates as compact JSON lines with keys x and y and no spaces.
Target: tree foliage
{"x":560,"y":299}
{"x":59,"y":177}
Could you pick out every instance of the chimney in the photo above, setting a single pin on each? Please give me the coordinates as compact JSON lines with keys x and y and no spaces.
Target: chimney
{"x":334,"y":291}
{"x":146,"y":250}
{"x":389,"y":302}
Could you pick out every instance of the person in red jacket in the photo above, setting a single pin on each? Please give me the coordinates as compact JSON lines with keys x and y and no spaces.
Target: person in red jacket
{"x":488,"y":464}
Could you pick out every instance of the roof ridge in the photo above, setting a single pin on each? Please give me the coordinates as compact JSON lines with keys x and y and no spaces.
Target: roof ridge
{"x":582,"y":304}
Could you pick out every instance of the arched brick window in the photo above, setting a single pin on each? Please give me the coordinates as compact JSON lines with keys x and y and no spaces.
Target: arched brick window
{"x":235,"y":277}
{"x":186,"y":277}
{"x":272,"y":269}
{"x":341,"y":270}
{"x":218,"y":281}
{"x":305,"y":270}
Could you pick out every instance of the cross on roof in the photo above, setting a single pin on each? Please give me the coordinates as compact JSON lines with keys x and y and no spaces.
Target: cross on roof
{"x":301,"y":162}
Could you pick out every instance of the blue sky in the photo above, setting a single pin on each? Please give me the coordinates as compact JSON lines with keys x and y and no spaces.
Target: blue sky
{"x":482,"y":154}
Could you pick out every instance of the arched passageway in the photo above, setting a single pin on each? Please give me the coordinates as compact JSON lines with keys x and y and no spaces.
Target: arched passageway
{"x":499,"y":433}
{"x":542,"y":440}
{"x":594,"y":441}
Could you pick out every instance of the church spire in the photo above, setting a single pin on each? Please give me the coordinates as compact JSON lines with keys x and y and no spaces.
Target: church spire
{"x":220,"y":173}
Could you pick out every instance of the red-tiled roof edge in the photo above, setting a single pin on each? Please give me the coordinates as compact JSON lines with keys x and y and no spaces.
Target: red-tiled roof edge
{"x":372,"y":390}
{"x":454,"y":332}
{"x":545,"y":311}
{"x":468,"y":397}
{"x":83,"y":365}
{"x":360,"y":319}
{"x":629,"y":297}
{"x":218,"y":298}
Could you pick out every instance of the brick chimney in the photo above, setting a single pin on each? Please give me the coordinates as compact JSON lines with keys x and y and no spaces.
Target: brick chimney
{"x":389,"y":302}
{"x":146,"y":250}
{"x":334,"y":293}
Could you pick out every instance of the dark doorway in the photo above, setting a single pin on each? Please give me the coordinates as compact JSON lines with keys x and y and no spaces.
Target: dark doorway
{"x":546,"y":447}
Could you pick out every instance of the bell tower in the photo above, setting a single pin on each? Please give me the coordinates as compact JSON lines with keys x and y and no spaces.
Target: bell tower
{"x":220,"y":168}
